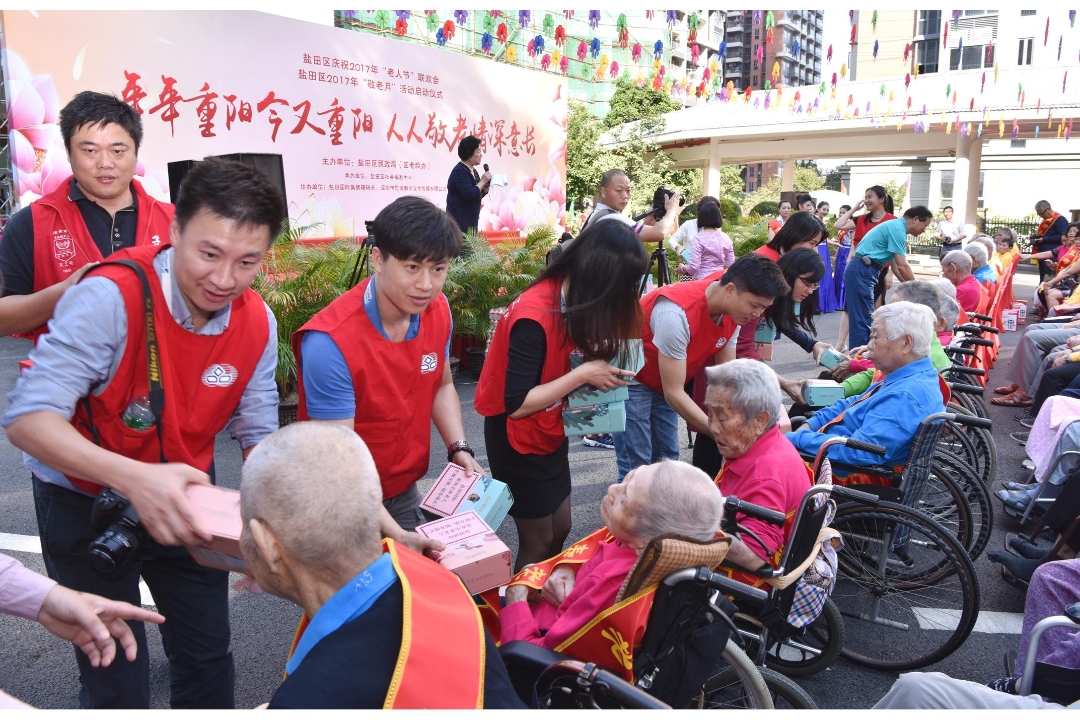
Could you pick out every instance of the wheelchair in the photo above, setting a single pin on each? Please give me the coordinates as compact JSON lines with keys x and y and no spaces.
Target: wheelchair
{"x":902,"y":572}
{"x":1058,"y":684}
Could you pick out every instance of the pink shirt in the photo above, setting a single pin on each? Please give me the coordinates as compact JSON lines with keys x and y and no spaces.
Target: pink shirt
{"x":712,"y":250}
{"x":597,"y":583}
{"x":22,"y":591}
{"x":968,"y":294}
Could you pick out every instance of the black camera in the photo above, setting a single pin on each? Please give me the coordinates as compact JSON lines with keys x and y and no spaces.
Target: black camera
{"x":659,"y":201}
{"x":121,"y":533}
{"x":369,"y":241}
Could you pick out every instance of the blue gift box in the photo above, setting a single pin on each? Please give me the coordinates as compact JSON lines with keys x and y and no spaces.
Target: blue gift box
{"x":632,"y":359}
{"x":594,"y":419}
{"x":822,"y":393}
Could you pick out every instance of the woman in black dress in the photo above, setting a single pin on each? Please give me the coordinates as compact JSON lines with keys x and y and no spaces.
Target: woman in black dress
{"x":585,"y":301}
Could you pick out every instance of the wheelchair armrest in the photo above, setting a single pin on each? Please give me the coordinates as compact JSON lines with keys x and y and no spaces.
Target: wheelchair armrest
{"x":527,"y":655}
{"x":797,"y":421}
{"x":964,"y":388}
{"x":965,"y":370}
{"x":955,"y":350}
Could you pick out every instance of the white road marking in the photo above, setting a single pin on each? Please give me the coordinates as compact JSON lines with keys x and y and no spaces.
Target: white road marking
{"x":999,"y":623}
{"x":32,"y":544}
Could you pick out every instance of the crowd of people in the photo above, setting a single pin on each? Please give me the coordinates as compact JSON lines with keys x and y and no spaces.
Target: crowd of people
{"x":155,"y":343}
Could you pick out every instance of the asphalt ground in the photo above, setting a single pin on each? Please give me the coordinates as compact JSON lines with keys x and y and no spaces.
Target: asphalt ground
{"x":40,"y":669}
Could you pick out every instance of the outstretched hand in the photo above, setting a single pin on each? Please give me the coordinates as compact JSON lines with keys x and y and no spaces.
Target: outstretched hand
{"x":91,"y":622}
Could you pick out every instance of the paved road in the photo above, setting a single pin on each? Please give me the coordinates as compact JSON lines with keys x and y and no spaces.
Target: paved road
{"x":40,"y":669}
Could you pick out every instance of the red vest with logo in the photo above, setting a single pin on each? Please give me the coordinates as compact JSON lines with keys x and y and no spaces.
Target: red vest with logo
{"x":203,"y":376}
{"x":441,"y":661}
{"x":62,"y":244}
{"x":706,"y":337}
{"x":540,"y":433}
{"x":394,"y":383}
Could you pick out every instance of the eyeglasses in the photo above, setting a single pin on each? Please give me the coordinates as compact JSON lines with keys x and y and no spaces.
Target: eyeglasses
{"x":811,"y":285}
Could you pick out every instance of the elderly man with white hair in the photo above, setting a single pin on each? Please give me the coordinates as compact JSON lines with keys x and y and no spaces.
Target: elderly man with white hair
{"x":760,"y":465}
{"x":310,"y":499}
{"x":980,"y":262}
{"x":956,"y":268}
{"x":668,"y":497}
{"x":890,"y":411}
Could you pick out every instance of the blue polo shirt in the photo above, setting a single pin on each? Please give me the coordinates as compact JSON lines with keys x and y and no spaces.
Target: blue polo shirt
{"x":885,"y":240}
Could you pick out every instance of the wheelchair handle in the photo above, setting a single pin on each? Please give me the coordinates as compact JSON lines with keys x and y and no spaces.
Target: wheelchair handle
{"x":984,"y":318}
{"x":848,"y":493}
{"x":977,"y":341}
{"x":965,"y":370}
{"x":960,"y":350}
{"x":969,"y":420}
{"x":842,"y":440}
{"x":724,"y":584}
{"x":969,"y":389}
{"x":602,"y":683}
{"x":733,"y":505}
{"x":976,"y":329}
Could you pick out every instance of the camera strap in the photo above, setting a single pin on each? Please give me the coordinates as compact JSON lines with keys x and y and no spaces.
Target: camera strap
{"x":156,"y":392}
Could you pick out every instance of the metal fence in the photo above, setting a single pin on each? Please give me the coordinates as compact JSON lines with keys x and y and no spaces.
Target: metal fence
{"x":925,"y":244}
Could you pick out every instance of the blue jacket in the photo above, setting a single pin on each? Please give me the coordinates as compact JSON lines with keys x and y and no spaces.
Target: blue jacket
{"x":463,"y":197}
{"x":890,"y":418}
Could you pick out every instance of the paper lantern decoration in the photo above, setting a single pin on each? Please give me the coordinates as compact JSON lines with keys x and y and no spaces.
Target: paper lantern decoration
{"x":382,"y":20}
{"x":723,"y":49}
{"x":873,"y":21}
{"x":672,"y":18}
{"x":657,"y":83}
{"x":876,"y":47}
{"x":775,"y":69}
{"x":850,"y":100}
{"x":953,"y":97}
{"x":582,"y":51}
{"x":635,"y":52}
{"x":486,"y":41}
{"x":828,"y":54}
{"x":1072,"y":17}
{"x":760,"y":53}
{"x":449,"y":29}
{"x":594,"y":19}
{"x":658,"y":48}
{"x":501,"y":33}
{"x":404,"y":15}
{"x":511,"y":53}
{"x":908,"y":103}
{"x":881,"y":91}
{"x":401,"y":27}
{"x":1060,"y":38}
{"x":545,"y":62}
{"x":834,"y":80}
{"x":843,"y":71}
{"x":537,"y":45}
{"x":769,"y":36}
{"x":594,"y":48}
{"x":907,"y":81}
{"x":821,"y":89}
{"x":995,"y":72}
{"x":1046,"y":33}
{"x":795,"y":48}
{"x":432,"y":20}
{"x":560,"y":36}
{"x":770,"y":20}
{"x":488,"y":23}
{"x":960,"y":45}
{"x":695,"y":54}
{"x":524,"y":17}
{"x":614,"y":69}
{"x":564,"y":64}
{"x":907,"y":51}
{"x":1015,"y":129}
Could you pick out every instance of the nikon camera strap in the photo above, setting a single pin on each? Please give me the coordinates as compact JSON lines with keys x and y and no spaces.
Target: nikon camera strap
{"x":153,"y":360}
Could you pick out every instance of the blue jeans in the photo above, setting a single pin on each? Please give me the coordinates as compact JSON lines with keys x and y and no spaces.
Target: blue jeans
{"x":652,"y":431}
{"x":859,"y":281}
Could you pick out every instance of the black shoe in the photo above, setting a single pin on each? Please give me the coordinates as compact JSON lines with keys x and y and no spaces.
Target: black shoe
{"x":1006,"y":685}
{"x":1019,"y":545}
{"x":1021,"y":568}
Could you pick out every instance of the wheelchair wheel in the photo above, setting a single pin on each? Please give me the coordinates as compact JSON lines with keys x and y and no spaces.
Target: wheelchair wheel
{"x":784,"y":692}
{"x":978,"y":497}
{"x":944,"y":501}
{"x":906,"y":588}
{"x":812,"y":651}
{"x":984,"y":457}
{"x":740,"y":685}
{"x":957,"y":440}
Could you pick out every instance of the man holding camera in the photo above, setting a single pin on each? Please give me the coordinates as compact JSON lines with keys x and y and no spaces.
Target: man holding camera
{"x":146,"y":361}
{"x":615,"y":196}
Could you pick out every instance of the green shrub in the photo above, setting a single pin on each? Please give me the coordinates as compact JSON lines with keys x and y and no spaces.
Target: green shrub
{"x":765,"y":207}
{"x":730,"y":211}
{"x":749,"y":237}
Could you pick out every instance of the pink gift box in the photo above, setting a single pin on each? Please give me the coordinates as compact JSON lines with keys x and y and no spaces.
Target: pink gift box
{"x":473,"y":551}
{"x":217,"y":510}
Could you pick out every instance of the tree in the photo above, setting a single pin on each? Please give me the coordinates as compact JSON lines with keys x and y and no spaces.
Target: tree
{"x":807,"y":179}
{"x":897,"y":190}
{"x":631,"y":102}
{"x":586,"y":161}
{"x":833,"y":179}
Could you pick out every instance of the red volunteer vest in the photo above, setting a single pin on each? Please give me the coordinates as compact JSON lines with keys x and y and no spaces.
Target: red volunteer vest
{"x":394,"y":383}
{"x":540,"y":433}
{"x":62,"y":244}
{"x":706,"y":337}
{"x":863,"y":225}
{"x":203,"y":376}
{"x":442,"y":657}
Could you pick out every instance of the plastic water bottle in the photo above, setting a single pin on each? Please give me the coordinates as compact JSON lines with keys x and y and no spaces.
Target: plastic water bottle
{"x":138,"y":414}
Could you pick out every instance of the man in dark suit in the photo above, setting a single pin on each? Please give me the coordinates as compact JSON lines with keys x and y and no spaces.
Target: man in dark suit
{"x":465,"y":186}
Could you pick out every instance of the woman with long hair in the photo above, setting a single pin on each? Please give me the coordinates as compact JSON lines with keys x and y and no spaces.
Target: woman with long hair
{"x":879,"y":208}
{"x":585,"y":301}
{"x":801,"y":230}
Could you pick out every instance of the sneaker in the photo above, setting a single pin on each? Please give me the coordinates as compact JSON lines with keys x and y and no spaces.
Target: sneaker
{"x":1025,"y":420}
{"x":599,"y":441}
{"x":1004,"y":685}
{"x":1020,"y":437}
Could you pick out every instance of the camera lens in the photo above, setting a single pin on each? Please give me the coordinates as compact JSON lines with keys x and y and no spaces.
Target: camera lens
{"x":113,"y":548}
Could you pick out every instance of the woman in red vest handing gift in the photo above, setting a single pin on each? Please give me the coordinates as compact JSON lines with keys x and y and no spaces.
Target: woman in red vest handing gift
{"x":375,"y":360}
{"x":587,"y":300}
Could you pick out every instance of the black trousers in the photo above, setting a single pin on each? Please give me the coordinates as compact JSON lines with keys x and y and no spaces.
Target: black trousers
{"x":1054,"y":381}
{"x":194,"y":600}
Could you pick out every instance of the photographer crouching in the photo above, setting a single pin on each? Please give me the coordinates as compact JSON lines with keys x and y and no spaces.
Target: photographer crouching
{"x":147,"y":359}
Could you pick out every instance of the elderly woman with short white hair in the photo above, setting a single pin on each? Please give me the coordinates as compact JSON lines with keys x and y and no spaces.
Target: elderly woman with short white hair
{"x":668,"y":497}
{"x":760,"y":465}
{"x":980,"y":263}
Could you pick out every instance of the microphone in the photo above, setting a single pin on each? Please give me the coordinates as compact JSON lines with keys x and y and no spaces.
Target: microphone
{"x":486,"y":168}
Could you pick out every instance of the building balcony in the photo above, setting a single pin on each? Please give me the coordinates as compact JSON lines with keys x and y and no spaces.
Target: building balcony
{"x":678,"y":52}
{"x":735,"y":27}
{"x":732,"y":74}
{"x":785,"y":55}
{"x":735,"y":42}
{"x":709,"y":43}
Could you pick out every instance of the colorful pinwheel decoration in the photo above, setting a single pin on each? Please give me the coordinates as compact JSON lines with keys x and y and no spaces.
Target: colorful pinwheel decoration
{"x":982,"y":84}
{"x":989,"y":52}
{"x":1072,"y":17}
{"x":524,"y":17}
{"x":854,"y":34}
{"x":769,"y":36}
{"x":873,"y":21}
{"x":876,"y":47}
{"x":821,"y":89}
{"x":695,"y":54}
{"x":560,"y":36}
{"x":511,"y":53}
{"x":907,"y":81}
{"x":382,"y":20}
{"x":723,"y":49}
{"x":635,"y":52}
{"x":440,"y":37}
{"x":1060,"y":38}
{"x":828,"y":54}
{"x":614,"y":71}
{"x":658,"y":47}
{"x":564,"y":64}
{"x":502,"y":34}
{"x":401,"y":27}
{"x":672,"y":18}
{"x":882,"y":90}
{"x":449,"y":29}
{"x":834,"y":80}
{"x":760,"y":53}
{"x":795,"y":48}
{"x":582,"y":51}
{"x":770,"y":19}
{"x":404,"y":15}
{"x":623,"y":30}
{"x":489,"y":23}
{"x":1015,"y":129}
{"x":549,"y":24}
{"x":980,"y":130}
{"x":594,"y":19}
{"x":545,"y":62}
{"x":461,"y":16}
{"x":432,"y":20}
{"x":568,"y":14}
{"x":594,"y":48}
{"x":486,"y":42}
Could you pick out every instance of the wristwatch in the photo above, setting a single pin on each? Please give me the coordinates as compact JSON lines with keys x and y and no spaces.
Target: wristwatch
{"x":459,"y":446}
